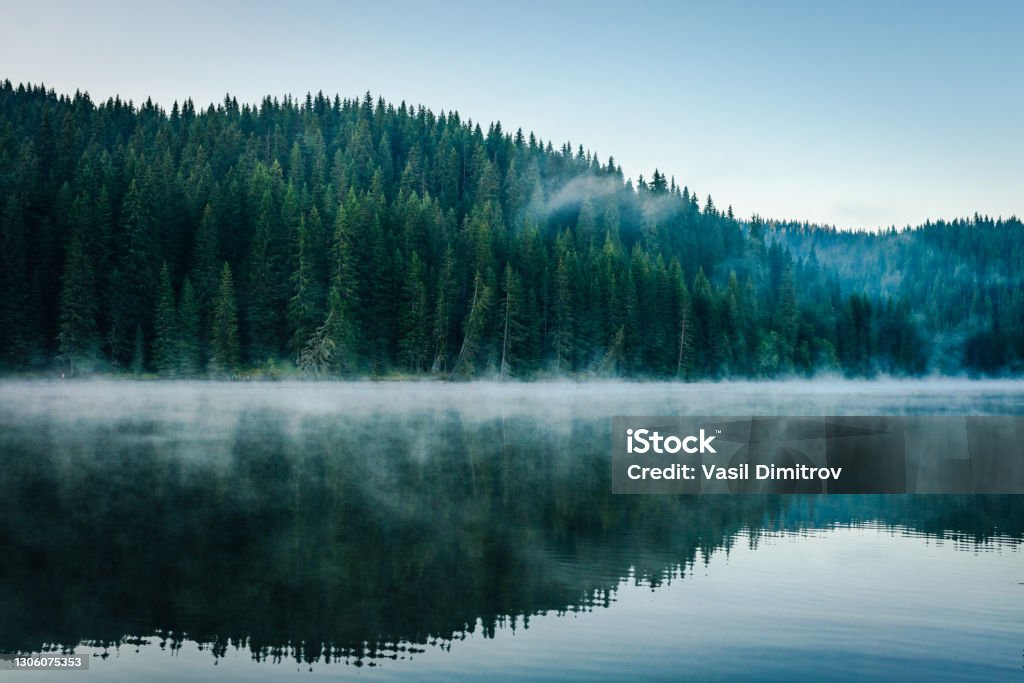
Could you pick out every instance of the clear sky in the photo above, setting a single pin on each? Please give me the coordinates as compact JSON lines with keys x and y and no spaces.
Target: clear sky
{"x":858,"y":114}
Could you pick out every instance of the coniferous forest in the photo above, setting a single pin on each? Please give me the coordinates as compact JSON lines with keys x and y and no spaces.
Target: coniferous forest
{"x":358,"y":238}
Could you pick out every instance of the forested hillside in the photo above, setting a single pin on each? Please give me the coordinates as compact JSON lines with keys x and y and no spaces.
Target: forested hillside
{"x":353,"y":237}
{"x":964,"y":279}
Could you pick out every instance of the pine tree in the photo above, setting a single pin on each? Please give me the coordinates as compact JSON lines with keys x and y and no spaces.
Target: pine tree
{"x":165,"y":327}
{"x":135,"y":276}
{"x":224,"y":349}
{"x":342,"y":298}
{"x":476,"y":320}
{"x":564,"y":312}
{"x":513,"y":335}
{"x":103,"y":263}
{"x":442,"y":312}
{"x":613,"y":359}
{"x":586,"y":227}
{"x":339,"y":328}
{"x":786,"y":319}
{"x":17,"y":341}
{"x":205,"y":265}
{"x":702,"y":307}
{"x":190,"y":350}
{"x":415,"y":322}
{"x":261,"y":316}
{"x":79,"y":336}
{"x":306,"y":308}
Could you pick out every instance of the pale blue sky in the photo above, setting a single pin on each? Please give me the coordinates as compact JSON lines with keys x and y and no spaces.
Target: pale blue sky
{"x":854,"y":113}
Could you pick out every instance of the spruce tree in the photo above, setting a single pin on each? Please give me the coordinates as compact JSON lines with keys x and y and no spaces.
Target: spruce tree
{"x":513,"y":334}
{"x":132,"y":293}
{"x":18,"y":337}
{"x":564,"y":313}
{"x":305,"y":310}
{"x":342,"y":297}
{"x":415,"y":322}
{"x":224,"y":349}
{"x":473,"y":330}
{"x":205,"y":265}
{"x":165,"y":327}
{"x":443,"y":312}
{"x":79,"y":336}
{"x":190,"y":350}
{"x":261,"y":316}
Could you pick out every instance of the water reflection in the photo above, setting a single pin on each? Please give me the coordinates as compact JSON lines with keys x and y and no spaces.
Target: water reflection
{"x":354,"y":536}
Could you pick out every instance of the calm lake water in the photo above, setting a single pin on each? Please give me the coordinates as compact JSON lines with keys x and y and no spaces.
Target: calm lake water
{"x":381,"y":531}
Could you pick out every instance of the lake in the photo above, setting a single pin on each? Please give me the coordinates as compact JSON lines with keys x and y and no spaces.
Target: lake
{"x":435,"y":531}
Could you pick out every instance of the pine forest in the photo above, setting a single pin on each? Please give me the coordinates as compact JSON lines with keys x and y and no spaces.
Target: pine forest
{"x":330,"y":237}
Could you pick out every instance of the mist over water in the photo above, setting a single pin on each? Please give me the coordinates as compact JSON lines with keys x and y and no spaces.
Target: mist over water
{"x":213,"y":401}
{"x":203,"y":531}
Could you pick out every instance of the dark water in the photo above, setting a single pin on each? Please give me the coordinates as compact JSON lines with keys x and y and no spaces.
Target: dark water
{"x":441,"y":532}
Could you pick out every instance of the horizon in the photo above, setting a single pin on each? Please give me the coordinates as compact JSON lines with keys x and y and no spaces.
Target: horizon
{"x":861,"y":117}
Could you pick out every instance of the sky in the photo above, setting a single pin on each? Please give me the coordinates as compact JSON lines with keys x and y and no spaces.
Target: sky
{"x":855,"y":114}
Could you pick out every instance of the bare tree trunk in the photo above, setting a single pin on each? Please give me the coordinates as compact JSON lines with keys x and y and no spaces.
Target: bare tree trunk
{"x":682,"y":346}
{"x":504,"y":340}
{"x":468,"y":331}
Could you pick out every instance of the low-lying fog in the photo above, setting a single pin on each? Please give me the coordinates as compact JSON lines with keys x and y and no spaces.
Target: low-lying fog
{"x":203,"y":404}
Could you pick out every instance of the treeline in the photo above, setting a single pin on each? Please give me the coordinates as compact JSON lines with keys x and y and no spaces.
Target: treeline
{"x":352,"y":237}
{"x":962,"y":278}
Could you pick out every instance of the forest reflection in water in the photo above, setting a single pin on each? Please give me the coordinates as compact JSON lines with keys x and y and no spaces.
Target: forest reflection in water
{"x":359,"y":529}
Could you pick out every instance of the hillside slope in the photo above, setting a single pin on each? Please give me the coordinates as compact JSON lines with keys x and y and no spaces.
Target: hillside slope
{"x":354,"y":237}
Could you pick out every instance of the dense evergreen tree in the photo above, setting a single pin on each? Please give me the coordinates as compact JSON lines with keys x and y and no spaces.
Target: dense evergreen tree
{"x":190,"y":350}
{"x":135,"y":281}
{"x":17,"y":301}
{"x":476,"y":318}
{"x":261,"y":316}
{"x":224,"y":347}
{"x":415,"y":319}
{"x":79,"y":336}
{"x":514,"y":325}
{"x":370,"y":239}
{"x":165,"y":326}
{"x":306,"y":307}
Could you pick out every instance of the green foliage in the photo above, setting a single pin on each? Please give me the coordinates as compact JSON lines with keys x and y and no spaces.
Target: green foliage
{"x":476,"y":319}
{"x":190,"y":350}
{"x":134,"y":272}
{"x":79,"y":337}
{"x":514,"y":333}
{"x":18,"y":298}
{"x":261,"y":315}
{"x":369,"y":239}
{"x":165,"y":325}
{"x":224,"y":346}
{"x":306,"y":307}
{"x":415,"y":319}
